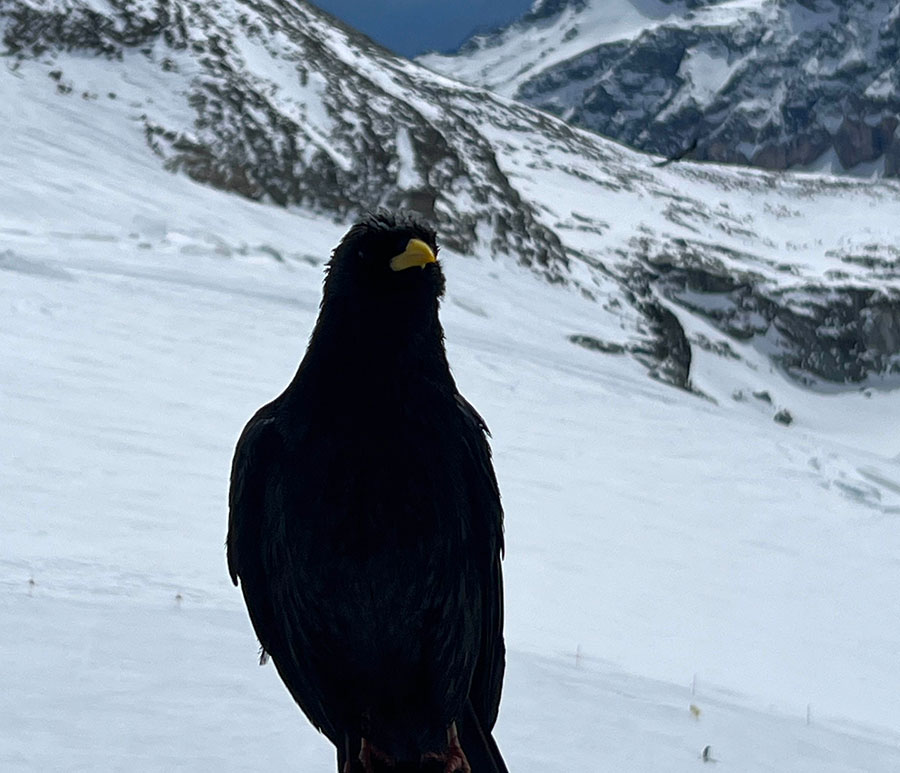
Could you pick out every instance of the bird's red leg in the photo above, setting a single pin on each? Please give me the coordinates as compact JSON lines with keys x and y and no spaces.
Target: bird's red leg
{"x":365,"y":756}
{"x":368,"y":753}
{"x":456,"y":761}
{"x":454,"y":758}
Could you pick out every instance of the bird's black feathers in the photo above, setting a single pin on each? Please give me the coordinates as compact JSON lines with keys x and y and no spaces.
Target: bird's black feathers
{"x":365,"y":524}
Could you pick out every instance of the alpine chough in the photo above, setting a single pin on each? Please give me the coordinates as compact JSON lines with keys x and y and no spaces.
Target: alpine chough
{"x":365,"y":523}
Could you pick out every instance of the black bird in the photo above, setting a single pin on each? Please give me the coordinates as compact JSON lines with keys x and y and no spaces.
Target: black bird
{"x":683,"y":153}
{"x":365,"y":523}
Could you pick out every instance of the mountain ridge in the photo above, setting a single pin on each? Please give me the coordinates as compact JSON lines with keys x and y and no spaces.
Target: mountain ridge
{"x":766,"y":83}
{"x":273,"y":102}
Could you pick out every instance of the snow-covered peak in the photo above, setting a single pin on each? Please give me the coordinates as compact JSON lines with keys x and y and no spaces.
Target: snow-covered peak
{"x":762,"y":82}
{"x":550,"y":33}
{"x":276,"y":103}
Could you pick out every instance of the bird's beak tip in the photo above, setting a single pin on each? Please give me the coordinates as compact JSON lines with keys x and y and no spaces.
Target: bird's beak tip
{"x":417,"y":253}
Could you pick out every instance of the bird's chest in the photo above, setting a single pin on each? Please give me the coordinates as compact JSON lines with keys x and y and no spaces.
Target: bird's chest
{"x":383,"y":523}
{"x":390,"y":487}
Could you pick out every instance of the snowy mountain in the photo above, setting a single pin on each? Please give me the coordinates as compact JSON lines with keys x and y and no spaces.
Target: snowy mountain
{"x":665,"y":547}
{"x":777,"y":84}
{"x":276,"y":102}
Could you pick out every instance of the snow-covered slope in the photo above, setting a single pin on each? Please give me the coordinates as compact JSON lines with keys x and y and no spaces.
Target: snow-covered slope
{"x":763,"y":82}
{"x":276,"y":103}
{"x":551,"y":33}
{"x":656,"y":537}
{"x":653,"y":535}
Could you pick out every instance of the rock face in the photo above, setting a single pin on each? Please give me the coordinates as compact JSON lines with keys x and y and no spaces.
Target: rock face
{"x":288,"y":106}
{"x":838,"y":334}
{"x":770,"y":83}
{"x":277,"y":102}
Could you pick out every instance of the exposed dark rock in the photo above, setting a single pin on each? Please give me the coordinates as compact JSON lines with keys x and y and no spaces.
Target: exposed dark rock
{"x":545,"y":9}
{"x":840,"y":334}
{"x":721,"y":347}
{"x":360,"y":128}
{"x":671,"y":350}
{"x":784,"y":417}
{"x":774,"y":85}
{"x":246,"y":139}
{"x":596,"y":345}
{"x":857,"y":141}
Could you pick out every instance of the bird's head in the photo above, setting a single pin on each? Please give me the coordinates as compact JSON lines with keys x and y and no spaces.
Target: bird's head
{"x":388,"y":259}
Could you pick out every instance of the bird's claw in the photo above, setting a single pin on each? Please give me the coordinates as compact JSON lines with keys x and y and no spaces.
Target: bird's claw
{"x":455,"y":758}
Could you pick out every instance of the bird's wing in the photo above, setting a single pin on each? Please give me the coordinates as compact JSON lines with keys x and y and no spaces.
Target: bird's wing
{"x":256,"y":547}
{"x":258,"y":446}
{"x":487,"y":680}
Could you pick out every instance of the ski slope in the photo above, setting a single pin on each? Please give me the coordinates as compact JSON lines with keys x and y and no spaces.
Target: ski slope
{"x":655,"y":538}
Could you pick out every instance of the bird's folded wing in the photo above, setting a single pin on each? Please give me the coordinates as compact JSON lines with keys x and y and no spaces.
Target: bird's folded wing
{"x":258,"y":445}
{"x":487,"y":680}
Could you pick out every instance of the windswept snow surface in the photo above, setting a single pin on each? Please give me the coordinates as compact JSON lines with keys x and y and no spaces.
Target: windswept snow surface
{"x":655,"y":538}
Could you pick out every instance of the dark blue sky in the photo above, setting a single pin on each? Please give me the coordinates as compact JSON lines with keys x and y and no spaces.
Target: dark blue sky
{"x":412,"y":27}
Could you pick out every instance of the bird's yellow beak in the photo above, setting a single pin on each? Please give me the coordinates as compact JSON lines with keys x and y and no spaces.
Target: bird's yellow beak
{"x":417,"y":253}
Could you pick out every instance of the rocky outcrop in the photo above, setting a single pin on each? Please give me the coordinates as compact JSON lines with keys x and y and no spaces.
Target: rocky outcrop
{"x":292,"y":108}
{"x":278,"y":103}
{"x":772,"y":83}
{"x":840,"y":333}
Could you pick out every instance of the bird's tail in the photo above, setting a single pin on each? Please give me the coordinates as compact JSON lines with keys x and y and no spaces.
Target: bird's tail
{"x":480,"y":747}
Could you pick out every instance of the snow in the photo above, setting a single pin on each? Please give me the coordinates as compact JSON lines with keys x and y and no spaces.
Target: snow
{"x":656,"y":538}
{"x":640,"y":534}
{"x":408,"y":176}
{"x":503,"y":63}
{"x":707,"y":71}
{"x":704,"y":70}
{"x":882,"y":87}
